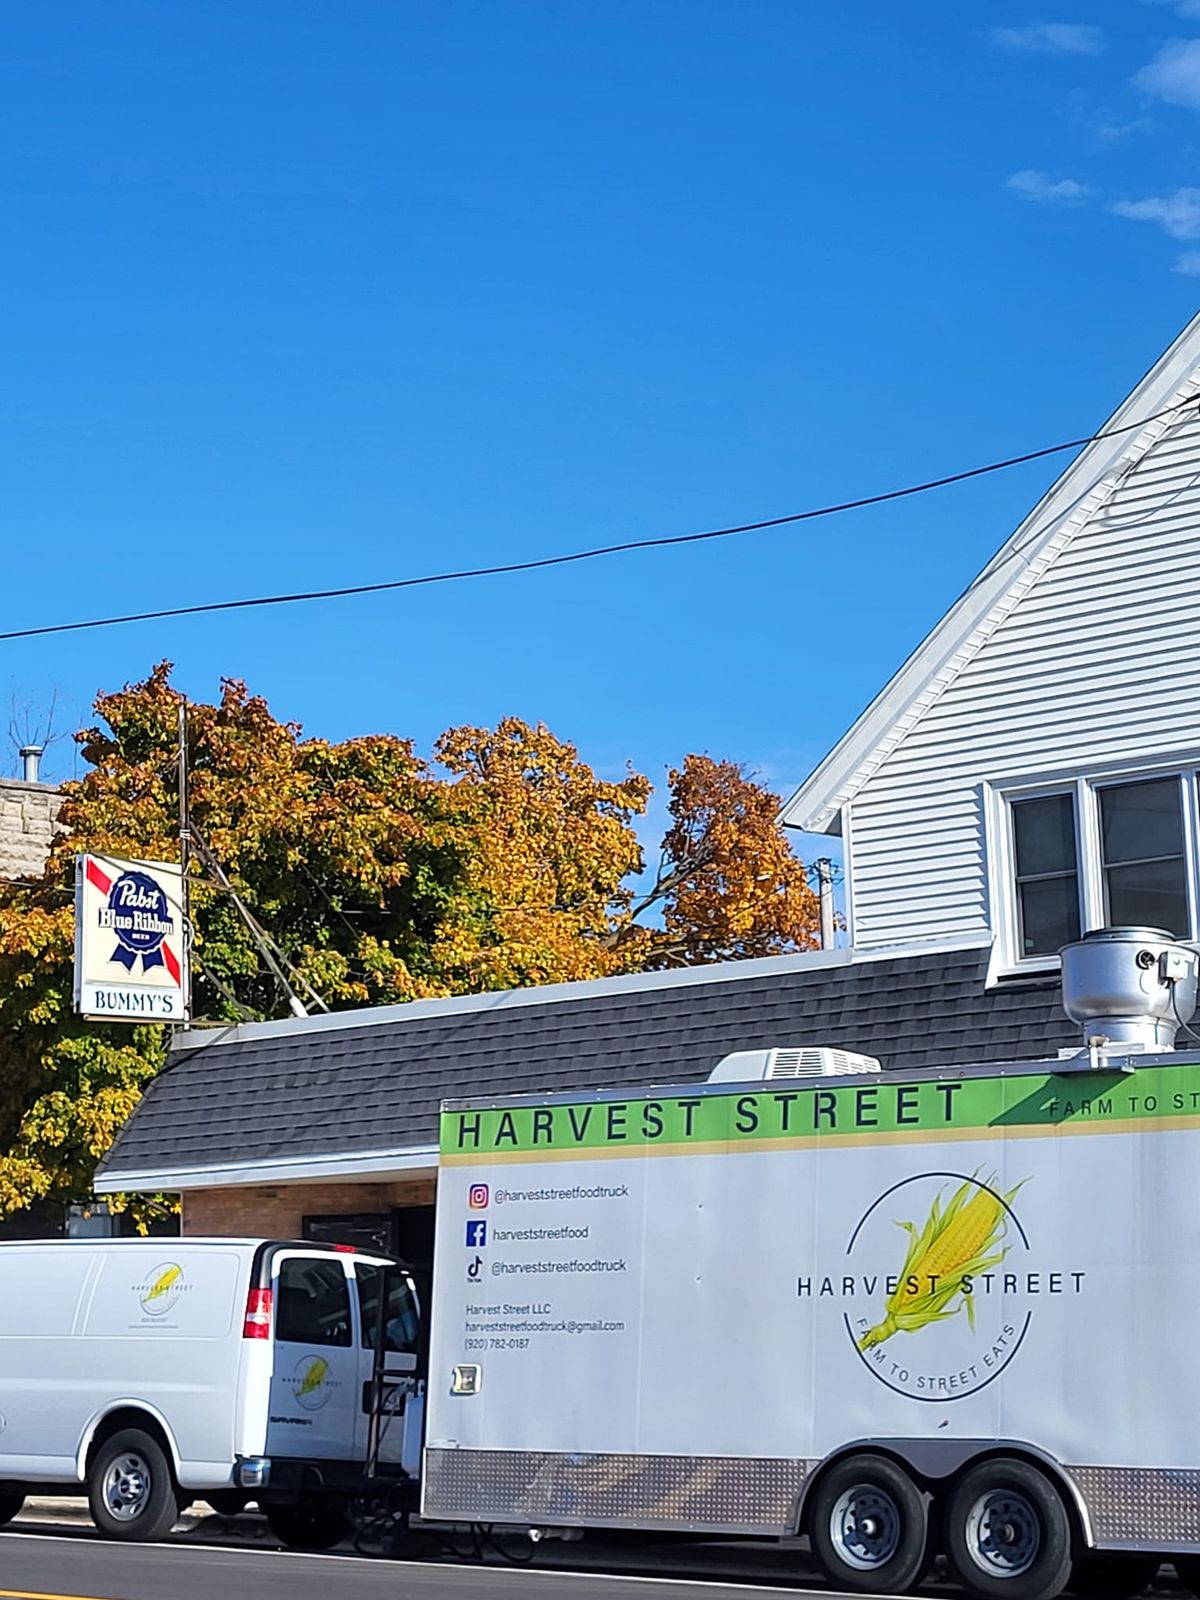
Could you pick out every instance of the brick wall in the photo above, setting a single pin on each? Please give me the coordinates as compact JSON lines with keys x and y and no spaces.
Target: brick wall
{"x":278,"y":1211}
{"x":27,"y":813}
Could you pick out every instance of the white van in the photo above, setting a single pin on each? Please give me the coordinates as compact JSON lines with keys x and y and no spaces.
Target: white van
{"x":161,"y":1371}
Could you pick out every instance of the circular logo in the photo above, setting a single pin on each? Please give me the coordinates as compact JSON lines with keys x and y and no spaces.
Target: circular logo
{"x":160,"y":1291}
{"x":139,"y":913}
{"x":311,"y":1382}
{"x":936,"y":1293}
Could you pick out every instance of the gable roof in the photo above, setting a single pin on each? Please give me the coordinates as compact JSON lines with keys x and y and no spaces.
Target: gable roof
{"x":1082,"y":489}
{"x":358,"y":1094}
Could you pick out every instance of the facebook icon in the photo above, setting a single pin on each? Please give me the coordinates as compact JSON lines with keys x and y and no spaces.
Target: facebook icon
{"x":476,"y":1234}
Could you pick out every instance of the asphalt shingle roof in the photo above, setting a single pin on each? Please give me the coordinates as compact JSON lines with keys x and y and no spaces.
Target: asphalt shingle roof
{"x":377,"y":1086}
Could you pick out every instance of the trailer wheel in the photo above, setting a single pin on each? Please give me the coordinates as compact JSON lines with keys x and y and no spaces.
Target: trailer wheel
{"x":131,"y":1491}
{"x":1112,"y":1576}
{"x":869,"y":1526}
{"x":1008,"y":1536}
{"x":308,"y":1527}
{"x":10,"y":1504}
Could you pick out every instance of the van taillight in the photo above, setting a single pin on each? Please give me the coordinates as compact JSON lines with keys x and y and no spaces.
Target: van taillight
{"x":258,"y":1315}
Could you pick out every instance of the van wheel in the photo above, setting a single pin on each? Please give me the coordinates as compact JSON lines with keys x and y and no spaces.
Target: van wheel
{"x":869,"y":1526}
{"x":1008,"y":1536}
{"x":131,"y":1490}
{"x":10,"y":1504}
{"x":1116,"y":1576}
{"x":308,"y":1527}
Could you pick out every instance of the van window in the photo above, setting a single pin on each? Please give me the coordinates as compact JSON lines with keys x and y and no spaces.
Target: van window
{"x":400,"y":1312}
{"x":314,"y":1303}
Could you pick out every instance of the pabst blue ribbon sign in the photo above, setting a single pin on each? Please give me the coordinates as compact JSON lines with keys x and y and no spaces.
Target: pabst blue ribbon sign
{"x":129,"y":945}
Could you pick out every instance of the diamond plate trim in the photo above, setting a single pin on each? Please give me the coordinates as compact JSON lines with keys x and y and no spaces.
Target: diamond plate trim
{"x":715,"y":1494}
{"x":1153,"y":1506}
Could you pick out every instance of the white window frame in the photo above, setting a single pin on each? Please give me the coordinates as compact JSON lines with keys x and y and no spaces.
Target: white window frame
{"x":1084,"y":786}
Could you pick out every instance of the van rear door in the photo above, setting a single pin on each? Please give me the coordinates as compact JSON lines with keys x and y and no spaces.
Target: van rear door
{"x":315,"y":1388}
{"x":402,"y":1397}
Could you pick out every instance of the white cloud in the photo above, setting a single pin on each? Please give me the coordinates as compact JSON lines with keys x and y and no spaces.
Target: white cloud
{"x":1174,"y":74}
{"x":1047,"y":191}
{"x":1188,"y":264}
{"x":1181,"y":8}
{"x":1056,"y":38}
{"x":1178,"y":214}
{"x":1117,"y":132}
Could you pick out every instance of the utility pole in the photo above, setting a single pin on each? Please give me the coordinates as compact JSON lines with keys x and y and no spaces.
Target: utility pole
{"x":825,"y":899}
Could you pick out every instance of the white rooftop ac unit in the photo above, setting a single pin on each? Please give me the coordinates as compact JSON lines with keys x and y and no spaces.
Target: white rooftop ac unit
{"x":807,"y":1061}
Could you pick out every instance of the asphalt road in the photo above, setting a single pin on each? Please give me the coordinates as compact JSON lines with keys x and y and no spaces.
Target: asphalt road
{"x":76,"y":1566}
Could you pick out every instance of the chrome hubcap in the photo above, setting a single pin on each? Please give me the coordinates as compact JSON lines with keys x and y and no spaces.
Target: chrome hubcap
{"x":127,"y":1487}
{"x":1004,"y":1533}
{"x":864,"y":1527}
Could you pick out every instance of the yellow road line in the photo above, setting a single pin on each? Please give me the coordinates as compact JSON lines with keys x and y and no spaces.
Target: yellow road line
{"x":33,"y":1594}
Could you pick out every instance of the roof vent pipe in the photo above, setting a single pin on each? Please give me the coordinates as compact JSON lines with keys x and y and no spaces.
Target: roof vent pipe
{"x":31,"y":755}
{"x":1133,"y":987}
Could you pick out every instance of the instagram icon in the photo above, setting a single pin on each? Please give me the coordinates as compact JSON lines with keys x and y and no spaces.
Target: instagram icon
{"x":479,"y":1197}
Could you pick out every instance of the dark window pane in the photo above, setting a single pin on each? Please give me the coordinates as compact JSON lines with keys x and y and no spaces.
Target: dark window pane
{"x":367,"y":1230}
{"x":1149,"y":895}
{"x":400,"y":1313}
{"x":1049,"y":914}
{"x":1141,"y":820}
{"x":1044,"y":832}
{"x":314,"y":1303}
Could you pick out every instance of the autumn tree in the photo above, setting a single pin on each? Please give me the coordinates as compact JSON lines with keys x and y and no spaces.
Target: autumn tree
{"x":555,"y":847}
{"x":380,"y":877}
{"x":728,"y":883}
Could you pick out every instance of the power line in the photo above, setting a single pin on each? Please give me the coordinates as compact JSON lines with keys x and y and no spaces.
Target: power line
{"x":541,"y":562}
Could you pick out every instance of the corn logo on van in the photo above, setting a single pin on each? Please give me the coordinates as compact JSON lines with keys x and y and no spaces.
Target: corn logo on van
{"x":312,"y":1382}
{"x":161,"y":1290}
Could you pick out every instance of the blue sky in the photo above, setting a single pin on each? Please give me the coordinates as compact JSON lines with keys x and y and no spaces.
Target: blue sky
{"x":303,"y":294}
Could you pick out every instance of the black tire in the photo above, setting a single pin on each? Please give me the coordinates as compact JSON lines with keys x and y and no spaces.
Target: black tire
{"x":10,"y":1504}
{"x":131,"y":1488}
{"x":1008,"y":1536}
{"x":869,"y":1527}
{"x":308,"y":1527}
{"x":1188,"y":1569}
{"x":1118,"y":1575}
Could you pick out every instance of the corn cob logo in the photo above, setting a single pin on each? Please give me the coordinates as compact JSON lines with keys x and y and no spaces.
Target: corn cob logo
{"x":960,"y":1241}
{"x":941,"y":1317}
{"x":311,"y":1383}
{"x":160,"y":1291}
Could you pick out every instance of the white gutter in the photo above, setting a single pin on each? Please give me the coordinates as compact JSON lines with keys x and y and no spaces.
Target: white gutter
{"x":358,"y":1165}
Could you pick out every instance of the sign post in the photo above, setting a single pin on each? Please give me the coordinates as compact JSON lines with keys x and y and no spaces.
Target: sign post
{"x":130,"y":940}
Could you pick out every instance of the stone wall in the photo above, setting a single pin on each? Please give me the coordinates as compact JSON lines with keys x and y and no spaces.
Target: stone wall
{"x":27,"y":813}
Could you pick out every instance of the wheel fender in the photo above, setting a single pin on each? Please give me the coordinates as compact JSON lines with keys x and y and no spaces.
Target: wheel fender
{"x":933,"y":1460}
{"x":130,"y":1405}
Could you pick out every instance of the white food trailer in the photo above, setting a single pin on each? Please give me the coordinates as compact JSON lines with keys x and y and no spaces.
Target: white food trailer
{"x":954,"y":1310}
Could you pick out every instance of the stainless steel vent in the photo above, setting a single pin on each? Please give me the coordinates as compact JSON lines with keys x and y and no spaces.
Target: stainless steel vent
{"x":803,"y":1061}
{"x":1134,"y":987}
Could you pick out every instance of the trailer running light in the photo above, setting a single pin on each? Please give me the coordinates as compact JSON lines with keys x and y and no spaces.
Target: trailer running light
{"x":346,"y":1249}
{"x":258,"y":1315}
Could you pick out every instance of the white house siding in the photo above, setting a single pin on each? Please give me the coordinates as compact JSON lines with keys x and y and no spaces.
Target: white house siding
{"x":1098,"y":664}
